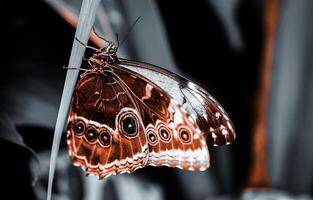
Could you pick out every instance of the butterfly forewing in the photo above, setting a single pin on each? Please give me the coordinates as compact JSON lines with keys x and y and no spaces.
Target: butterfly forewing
{"x":202,"y":107}
{"x":174,"y":138}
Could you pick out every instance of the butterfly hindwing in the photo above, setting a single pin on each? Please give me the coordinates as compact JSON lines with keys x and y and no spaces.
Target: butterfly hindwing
{"x":106,"y":133}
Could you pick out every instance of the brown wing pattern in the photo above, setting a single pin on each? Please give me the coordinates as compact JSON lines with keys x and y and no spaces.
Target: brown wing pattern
{"x":106,"y":135}
{"x":173,"y":136}
{"x":138,"y":114}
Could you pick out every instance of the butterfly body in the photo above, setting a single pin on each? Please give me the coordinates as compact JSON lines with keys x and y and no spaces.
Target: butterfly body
{"x":126,"y":115}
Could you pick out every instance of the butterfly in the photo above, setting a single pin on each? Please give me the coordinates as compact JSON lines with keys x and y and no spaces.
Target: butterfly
{"x":126,"y":115}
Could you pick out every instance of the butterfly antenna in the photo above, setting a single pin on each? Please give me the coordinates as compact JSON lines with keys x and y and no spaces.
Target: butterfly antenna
{"x":102,"y":38}
{"x":130,"y":30}
{"x":117,"y":40}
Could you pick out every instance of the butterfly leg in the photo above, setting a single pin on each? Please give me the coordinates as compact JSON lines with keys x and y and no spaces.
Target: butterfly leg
{"x":86,"y":46}
{"x":81,"y":69}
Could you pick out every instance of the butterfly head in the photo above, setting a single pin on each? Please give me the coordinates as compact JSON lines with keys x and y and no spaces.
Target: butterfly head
{"x":103,"y":58}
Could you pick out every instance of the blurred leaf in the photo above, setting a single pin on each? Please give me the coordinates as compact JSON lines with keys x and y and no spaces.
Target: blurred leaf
{"x":9,"y":133}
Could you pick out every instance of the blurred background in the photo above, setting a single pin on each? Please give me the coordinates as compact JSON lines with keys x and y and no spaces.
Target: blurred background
{"x":254,"y":56}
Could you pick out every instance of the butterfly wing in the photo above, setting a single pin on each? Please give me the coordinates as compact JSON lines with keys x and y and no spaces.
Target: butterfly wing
{"x":203,"y":108}
{"x":169,"y":121}
{"x":106,"y":134}
{"x":174,"y":136}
